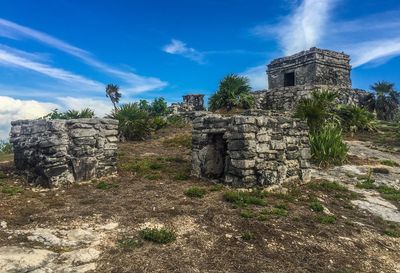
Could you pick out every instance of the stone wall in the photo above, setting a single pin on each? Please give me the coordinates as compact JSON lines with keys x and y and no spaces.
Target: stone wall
{"x":58,"y":152}
{"x":286,"y":98}
{"x":191,"y":102}
{"x":311,"y":67}
{"x":256,"y":148}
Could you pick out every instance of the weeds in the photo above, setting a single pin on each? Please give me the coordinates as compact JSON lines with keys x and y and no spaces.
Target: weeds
{"x":326,"y":219}
{"x":195,"y":192}
{"x":247,"y":214}
{"x":247,"y":236}
{"x":241,"y":198}
{"x":128,"y":243}
{"x":328,"y":186}
{"x":159,"y":236}
{"x":105,"y":185}
{"x":389,"y":162}
{"x":316,"y":206}
{"x":11,"y":190}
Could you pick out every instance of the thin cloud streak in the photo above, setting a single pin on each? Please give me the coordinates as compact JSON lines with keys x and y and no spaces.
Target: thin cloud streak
{"x":136,"y":82}
{"x":177,"y":47}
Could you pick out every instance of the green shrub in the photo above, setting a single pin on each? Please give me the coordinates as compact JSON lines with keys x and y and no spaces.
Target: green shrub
{"x":355,"y":119}
{"x":326,"y":219}
{"x":105,"y":185}
{"x":5,"y":147}
{"x":195,"y":192}
{"x":11,"y":190}
{"x":159,"y":236}
{"x":70,"y":114}
{"x":316,"y":206}
{"x":328,"y":186}
{"x":233,"y":91}
{"x":176,"y":121}
{"x":318,"y":109}
{"x":247,"y":214}
{"x":244,"y":198}
{"x":389,"y":162}
{"x":247,"y":236}
{"x":327,"y":145}
{"x":159,"y":122}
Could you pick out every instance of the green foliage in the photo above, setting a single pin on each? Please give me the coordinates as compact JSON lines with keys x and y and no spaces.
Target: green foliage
{"x":159,"y":236}
{"x":392,"y":232}
{"x":317,"y":110}
{"x":328,"y":186}
{"x":176,"y":121}
{"x":390,"y":163}
{"x":182,"y":175}
{"x":233,"y":91}
{"x":102,"y":185}
{"x":5,"y":147}
{"x":326,"y":219}
{"x":10,"y":190}
{"x":387,"y":100}
{"x":247,"y":214}
{"x":112,"y":92}
{"x":327,"y":145}
{"x":247,"y":236}
{"x":355,"y":119}
{"x":70,"y":114}
{"x":159,"y":107}
{"x":195,"y":192}
{"x":244,"y":198}
{"x":316,"y":206}
{"x":2,"y":175}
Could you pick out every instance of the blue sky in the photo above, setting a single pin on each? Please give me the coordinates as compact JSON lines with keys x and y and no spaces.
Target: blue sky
{"x":60,"y":54}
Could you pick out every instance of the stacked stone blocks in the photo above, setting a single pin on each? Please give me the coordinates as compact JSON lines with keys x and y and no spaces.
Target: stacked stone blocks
{"x":59,"y":152}
{"x":256,"y":148}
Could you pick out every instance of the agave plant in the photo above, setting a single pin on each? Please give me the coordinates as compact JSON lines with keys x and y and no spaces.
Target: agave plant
{"x":233,"y":91}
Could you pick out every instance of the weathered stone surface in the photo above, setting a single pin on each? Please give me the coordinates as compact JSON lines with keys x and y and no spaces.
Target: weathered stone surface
{"x":191,"y":102}
{"x":55,"y":152}
{"x":256,"y":148}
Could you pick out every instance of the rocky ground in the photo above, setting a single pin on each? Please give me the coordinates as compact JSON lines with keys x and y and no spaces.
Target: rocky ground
{"x":346,"y":220}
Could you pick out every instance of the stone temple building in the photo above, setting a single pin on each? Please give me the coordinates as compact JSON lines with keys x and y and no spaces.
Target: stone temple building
{"x":295,"y":77}
{"x":191,"y":102}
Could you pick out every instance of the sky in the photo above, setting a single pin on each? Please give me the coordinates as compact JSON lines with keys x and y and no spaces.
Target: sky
{"x":60,"y":54}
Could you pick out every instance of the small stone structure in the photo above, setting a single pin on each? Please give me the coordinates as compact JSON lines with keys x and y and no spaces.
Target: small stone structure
{"x":58,"y":152}
{"x":256,"y":148}
{"x":191,"y":102}
{"x":295,"y":77}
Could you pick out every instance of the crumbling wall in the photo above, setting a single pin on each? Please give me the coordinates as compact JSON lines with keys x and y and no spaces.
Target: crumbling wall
{"x":191,"y":102}
{"x":256,"y":148}
{"x":287,"y":98}
{"x":57,"y":152}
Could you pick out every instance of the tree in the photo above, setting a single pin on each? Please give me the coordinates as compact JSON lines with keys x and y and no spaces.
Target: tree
{"x":112,"y":92}
{"x":233,"y":91}
{"x":159,"y":107}
{"x":387,"y":100}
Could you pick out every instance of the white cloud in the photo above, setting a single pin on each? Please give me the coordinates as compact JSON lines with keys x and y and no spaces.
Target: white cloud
{"x":21,"y":59}
{"x":302,"y":29}
{"x":136,"y":83}
{"x":177,"y":47}
{"x":257,"y":77}
{"x":14,"y":109}
{"x":100,"y":107}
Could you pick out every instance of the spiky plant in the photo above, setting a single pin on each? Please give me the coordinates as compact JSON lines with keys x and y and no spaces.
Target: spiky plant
{"x":233,"y":91}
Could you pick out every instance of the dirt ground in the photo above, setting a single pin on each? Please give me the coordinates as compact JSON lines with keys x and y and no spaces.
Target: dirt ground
{"x":212,"y":235}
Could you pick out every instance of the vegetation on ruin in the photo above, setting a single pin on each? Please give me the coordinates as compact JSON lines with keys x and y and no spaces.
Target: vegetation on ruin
{"x":70,"y":114}
{"x":233,"y":92}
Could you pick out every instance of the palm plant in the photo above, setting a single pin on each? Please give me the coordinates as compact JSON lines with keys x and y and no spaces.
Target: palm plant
{"x":387,"y":100}
{"x":233,"y":91}
{"x":318,"y":109}
{"x":112,"y":92}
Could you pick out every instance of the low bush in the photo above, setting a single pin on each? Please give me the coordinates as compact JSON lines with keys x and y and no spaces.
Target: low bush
{"x":5,"y":147}
{"x":354,"y":119}
{"x":326,"y":219}
{"x":244,"y":198}
{"x":159,"y":236}
{"x":247,"y":236}
{"x":327,"y":145}
{"x":316,"y":206}
{"x":195,"y":192}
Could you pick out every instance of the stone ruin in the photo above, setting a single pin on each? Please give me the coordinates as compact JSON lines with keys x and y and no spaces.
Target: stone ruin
{"x":295,"y":77}
{"x":255,"y":148}
{"x":191,"y":102}
{"x":59,"y":152}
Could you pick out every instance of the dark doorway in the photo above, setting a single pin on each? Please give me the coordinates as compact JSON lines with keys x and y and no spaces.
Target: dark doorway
{"x":289,"y":79}
{"x":214,"y":161}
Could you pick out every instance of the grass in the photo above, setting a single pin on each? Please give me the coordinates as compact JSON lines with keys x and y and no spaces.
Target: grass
{"x":152,"y":176}
{"x":391,"y":232}
{"x":316,"y":206}
{"x":217,"y":187}
{"x":182,"y":175}
{"x":326,"y":219}
{"x":2,"y":175}
{"x":11,"y":190}
{"x":389,"y":163}
{"x":279,"y":211}
{"x":195,"y":192}
{"x":247,"y":214}
{"x":179,"y":141}
{"x":247,"y":236}
{"x":244,"y":198}
{"x":159,"y":236}
{"x":128,"y":243}
{"x":102,"y":185}
{"x":387,"y":192}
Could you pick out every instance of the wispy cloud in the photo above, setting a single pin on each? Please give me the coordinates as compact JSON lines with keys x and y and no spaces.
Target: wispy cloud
{"x":302,"y":29}
{"x":135,"y":83}
{"x":257,"y":77}
{"x":178,"y":47}
{"x":18,"y":58}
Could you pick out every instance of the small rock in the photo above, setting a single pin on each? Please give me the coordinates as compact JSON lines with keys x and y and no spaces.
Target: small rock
{"x":3,"y":224}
